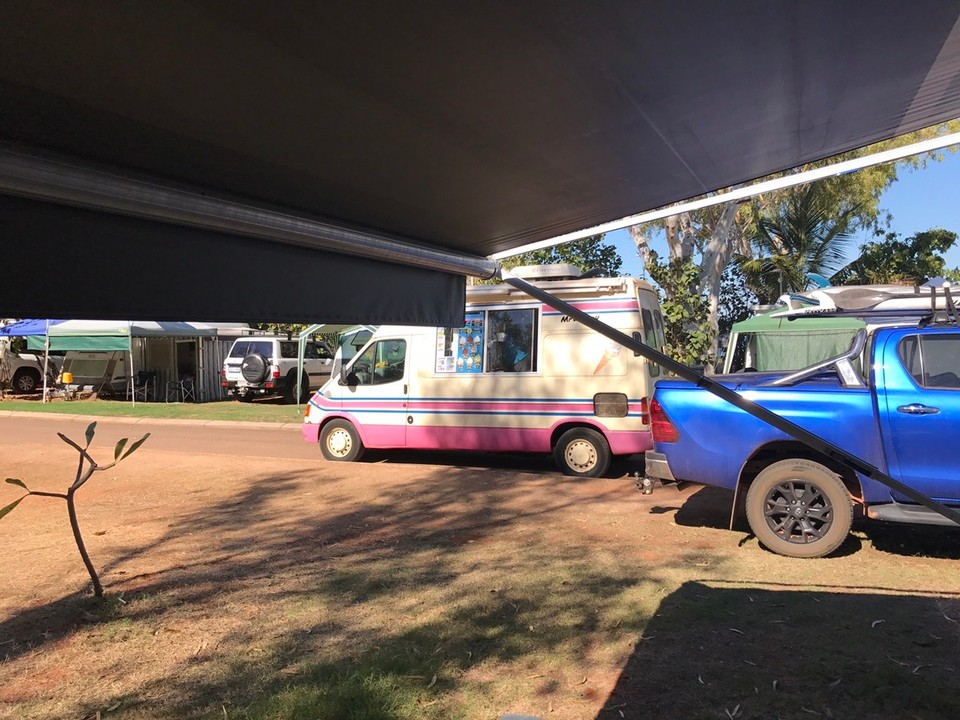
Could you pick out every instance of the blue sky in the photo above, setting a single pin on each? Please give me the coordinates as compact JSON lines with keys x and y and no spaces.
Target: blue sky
{"x":918,"y":200}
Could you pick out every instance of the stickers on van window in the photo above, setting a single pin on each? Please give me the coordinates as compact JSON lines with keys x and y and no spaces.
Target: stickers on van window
{"x":460,"y":350}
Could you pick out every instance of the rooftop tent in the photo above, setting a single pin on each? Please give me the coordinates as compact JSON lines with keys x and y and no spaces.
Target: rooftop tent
{"x":349,"y":162}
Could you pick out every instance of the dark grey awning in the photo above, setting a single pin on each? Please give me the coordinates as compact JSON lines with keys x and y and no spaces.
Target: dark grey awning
{"x":472,"y":128}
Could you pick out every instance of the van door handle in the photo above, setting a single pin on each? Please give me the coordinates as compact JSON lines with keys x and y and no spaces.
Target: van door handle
{"x":918,"y":409}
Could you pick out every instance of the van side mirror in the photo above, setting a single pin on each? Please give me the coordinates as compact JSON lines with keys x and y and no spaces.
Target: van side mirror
{"x":348,"y":377}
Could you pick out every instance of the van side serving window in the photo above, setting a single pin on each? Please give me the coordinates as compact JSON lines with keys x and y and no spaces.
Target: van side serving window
{"x":933,"y":361}
{"x":490,"y":341}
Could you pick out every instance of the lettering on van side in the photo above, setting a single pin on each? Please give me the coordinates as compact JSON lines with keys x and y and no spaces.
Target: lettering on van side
{"x":567,"y":318}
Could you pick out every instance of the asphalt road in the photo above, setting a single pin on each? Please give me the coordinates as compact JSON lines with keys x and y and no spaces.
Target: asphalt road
{"x":180,"y":436}
{"x":256,"y":440}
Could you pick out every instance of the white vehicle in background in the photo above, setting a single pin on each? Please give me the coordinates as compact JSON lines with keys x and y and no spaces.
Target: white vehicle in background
{"x":518,"y":376}
{"x":264,"y":366}
{"x":23,"y":372}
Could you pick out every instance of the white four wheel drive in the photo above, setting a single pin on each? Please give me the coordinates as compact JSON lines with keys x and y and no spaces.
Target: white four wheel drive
{"x":263,"y":366}
{"x":24,"y":372}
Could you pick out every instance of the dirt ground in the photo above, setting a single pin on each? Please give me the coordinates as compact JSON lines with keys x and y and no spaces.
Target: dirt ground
{"x":246,"y":577}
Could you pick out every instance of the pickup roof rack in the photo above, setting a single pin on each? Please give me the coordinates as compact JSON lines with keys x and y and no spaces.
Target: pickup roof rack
{"x":933,"y":308}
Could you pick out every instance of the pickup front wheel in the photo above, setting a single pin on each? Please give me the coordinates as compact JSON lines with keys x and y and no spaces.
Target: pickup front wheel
{"x":799,"y":508}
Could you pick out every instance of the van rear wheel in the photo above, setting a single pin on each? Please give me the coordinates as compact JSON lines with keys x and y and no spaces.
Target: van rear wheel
{"x":340,"y":442}
{"x":582,"y":452}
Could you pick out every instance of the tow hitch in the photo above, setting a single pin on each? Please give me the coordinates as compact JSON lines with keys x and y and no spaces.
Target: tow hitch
{"x":644,"y":484}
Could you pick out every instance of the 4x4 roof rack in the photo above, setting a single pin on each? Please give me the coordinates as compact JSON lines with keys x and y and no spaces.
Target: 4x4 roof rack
{"x":921,"y":314}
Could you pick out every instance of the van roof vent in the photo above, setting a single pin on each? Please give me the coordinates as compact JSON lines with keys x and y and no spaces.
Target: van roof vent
{"x":559,"y":271}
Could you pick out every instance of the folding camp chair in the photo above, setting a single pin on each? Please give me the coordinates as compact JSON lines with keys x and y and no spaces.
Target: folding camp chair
{"x":144,"y":385}
{"x":182,"y":390}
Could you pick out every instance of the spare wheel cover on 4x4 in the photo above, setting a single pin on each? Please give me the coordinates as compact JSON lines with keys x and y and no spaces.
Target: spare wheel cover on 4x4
{"x":254,"y":368}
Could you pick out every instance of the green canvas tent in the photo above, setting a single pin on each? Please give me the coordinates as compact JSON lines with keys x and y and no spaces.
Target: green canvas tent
{"x":764,"y":342}
{"x":106,"y":335}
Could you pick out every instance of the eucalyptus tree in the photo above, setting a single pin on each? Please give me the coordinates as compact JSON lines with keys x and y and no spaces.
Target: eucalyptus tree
{"x":701,"y":245}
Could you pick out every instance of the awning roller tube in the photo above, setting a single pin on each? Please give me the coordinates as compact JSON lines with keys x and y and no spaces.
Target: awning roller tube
{"x":57,"y":181}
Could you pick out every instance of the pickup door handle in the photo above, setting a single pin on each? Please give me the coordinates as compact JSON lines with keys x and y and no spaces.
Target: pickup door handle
{"x":918,"y":409}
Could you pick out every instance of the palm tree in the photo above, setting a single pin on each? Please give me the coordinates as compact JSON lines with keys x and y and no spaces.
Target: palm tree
{"x":801,"y":237}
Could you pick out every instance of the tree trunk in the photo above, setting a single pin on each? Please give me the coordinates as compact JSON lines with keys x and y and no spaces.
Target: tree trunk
{"x":75,"y":526}
{"x":725,"y":241}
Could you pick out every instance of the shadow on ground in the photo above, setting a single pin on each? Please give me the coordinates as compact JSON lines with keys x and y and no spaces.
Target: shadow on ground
{"x":525,"y":462}
{"x":766,"y":651}
{"x":413,"y":538}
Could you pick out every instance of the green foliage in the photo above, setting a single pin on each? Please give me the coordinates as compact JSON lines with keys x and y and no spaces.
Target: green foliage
{"x":802,"y":236}
{"x":853,"y":198}
{"x":586,"y":254}
{"x":688,"y":334}
{"x":84,"y":473}
{"x":857,"y":195}
{"x":736,"y":299}
{"x":279,"y":328}
{"x":892,"y":260}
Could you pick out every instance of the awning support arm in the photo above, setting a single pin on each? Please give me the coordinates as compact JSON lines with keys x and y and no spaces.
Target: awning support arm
{"x":795,"y":431}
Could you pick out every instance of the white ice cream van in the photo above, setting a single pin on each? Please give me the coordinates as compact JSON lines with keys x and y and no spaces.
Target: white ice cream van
{"x":517,"y":376}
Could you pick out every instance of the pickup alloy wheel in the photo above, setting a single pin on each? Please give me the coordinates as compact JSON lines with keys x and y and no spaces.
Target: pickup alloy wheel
{"x":799,"y":508}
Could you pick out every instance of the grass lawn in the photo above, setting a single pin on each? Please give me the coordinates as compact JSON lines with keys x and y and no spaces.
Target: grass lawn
{"x":271,"y":410}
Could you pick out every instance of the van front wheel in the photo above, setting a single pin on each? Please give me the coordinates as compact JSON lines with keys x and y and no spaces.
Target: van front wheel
{"x":582,"y":452}
{"x":340,"y":442}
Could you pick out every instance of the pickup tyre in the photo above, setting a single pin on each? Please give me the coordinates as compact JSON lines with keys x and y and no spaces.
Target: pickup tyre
{"x":799,"y":508}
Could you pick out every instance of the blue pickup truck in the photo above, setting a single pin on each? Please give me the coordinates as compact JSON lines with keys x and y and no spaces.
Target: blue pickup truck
{"x":900,"y":413}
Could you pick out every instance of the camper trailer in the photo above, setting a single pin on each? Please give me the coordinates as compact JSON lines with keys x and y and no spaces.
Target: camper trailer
{"x":517,"y":376}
